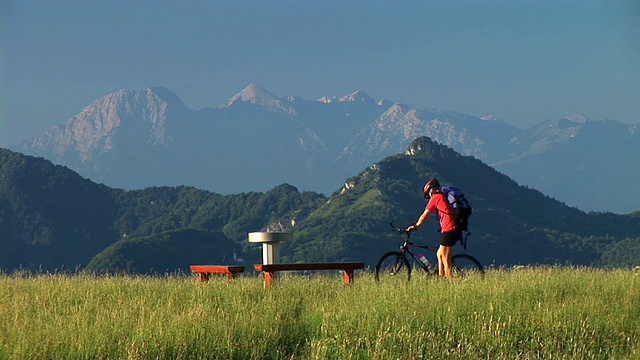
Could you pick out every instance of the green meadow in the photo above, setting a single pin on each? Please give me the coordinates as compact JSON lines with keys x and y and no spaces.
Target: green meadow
{"x":528,"y":313}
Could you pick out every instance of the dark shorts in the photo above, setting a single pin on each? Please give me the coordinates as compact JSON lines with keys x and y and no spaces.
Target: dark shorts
{"x":450,"y":238}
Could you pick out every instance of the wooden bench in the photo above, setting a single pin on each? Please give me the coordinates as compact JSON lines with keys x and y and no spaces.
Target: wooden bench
{"x":205,"y":271}
{"x":270,"y":269}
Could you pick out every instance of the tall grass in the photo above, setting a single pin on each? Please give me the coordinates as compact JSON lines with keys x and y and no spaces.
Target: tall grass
{"x":541,"y":313}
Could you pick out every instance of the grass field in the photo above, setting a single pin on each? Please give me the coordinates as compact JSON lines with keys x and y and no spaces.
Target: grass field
{"x":537,"y":313}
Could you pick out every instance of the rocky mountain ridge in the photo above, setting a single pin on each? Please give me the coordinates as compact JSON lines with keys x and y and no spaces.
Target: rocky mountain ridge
{"x":134,"y":139}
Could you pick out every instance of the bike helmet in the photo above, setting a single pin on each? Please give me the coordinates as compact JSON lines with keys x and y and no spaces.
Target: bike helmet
{"x":429,"y":185}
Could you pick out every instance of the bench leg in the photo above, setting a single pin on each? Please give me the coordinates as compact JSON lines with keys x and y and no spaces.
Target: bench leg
{"x":267,"y":279}
{"x":348,"y":276}
{"x":203,"y":277}
{"x":231,"y":275}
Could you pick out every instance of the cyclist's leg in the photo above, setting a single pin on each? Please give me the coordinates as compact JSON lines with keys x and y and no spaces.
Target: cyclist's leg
{"x":447,"y":241}
{"x":444,"y":260}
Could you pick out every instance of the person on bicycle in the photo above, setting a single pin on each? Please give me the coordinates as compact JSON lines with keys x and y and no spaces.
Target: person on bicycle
{"x":450,"y":234}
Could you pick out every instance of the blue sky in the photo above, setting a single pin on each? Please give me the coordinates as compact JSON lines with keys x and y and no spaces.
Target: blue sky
{"x":523,"y":61}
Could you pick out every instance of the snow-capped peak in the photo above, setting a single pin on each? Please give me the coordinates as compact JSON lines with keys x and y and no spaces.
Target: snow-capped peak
{"x":327,"y":100}
{"x":257,"y":95}
{"x":254,"y":94}
{"x":358,"y":96}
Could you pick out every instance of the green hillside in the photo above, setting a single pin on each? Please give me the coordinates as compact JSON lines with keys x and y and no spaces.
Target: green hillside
{"x":164,"y":253}
{"x":51,"y":219}
{"x":511,"y":224}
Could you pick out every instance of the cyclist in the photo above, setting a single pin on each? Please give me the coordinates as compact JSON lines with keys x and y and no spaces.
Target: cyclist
{"x":450,"y":234}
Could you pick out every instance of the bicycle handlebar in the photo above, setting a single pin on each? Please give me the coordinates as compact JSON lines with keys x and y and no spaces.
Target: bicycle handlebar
{"x":402,"y":230}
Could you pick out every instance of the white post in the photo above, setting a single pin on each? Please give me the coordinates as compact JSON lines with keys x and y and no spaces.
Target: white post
{"x":270,"y":245}
{"x":271,"y":253}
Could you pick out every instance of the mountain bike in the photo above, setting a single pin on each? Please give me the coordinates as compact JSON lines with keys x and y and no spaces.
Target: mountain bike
{"x":398,"y":264}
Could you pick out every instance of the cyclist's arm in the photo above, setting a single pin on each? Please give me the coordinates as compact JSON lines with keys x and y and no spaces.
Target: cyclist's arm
{"x":420,"y":221}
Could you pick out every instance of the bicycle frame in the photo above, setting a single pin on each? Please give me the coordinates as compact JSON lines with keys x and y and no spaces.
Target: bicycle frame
{"x":406,"y":250}
{"x":461,"y":263}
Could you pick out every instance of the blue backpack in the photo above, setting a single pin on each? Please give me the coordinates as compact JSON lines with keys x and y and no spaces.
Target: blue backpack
{"x":460,"y":207}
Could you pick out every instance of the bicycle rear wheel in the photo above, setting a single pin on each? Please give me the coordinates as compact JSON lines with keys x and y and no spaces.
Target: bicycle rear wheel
{"x":392,"y":266}
{"x":464,"y":265}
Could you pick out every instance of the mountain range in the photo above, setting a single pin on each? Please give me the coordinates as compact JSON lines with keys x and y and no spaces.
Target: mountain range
{"x":133,"y":139}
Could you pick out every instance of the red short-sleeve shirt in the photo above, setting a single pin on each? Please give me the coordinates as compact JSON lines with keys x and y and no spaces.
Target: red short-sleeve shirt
{"x":441,"y":205}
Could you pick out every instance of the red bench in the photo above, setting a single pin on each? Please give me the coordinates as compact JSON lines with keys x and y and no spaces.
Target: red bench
{"x":270,"y":269}
{"x":205,"y":271}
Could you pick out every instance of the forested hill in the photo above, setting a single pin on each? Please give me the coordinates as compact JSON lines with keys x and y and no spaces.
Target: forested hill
{"x":53,"y":219}
{"x":50,"y":217}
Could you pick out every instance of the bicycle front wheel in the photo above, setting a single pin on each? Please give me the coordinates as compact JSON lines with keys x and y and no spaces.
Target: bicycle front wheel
{"x":463,"y":265}
{"x":393,"y":265}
